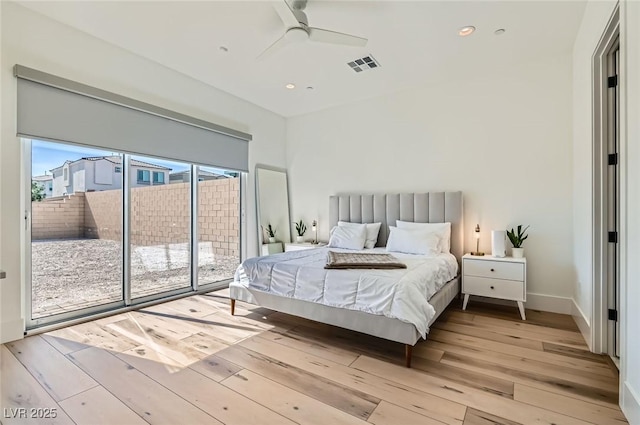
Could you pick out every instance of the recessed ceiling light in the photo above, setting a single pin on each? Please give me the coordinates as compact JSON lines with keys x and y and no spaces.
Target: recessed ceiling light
{"x":290,"y":86}
{"x":223,"y":49}
{"x":309,"y":88}
{"x":499,"y":31}
{"x":465,"y":31}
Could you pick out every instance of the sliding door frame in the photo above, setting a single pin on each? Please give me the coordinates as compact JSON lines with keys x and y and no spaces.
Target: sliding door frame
{"x":127,"y":303}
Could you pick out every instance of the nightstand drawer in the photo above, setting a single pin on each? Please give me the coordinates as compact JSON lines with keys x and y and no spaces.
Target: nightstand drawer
{"x":494,"y":269}
{"x":505,"y":289}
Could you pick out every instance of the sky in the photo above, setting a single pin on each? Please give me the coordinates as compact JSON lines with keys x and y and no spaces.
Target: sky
{"x":48,"y":155}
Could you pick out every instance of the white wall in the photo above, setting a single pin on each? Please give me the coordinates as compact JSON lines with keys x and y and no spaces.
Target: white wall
{"x":41,"y":43}
{"x":630,"y":310}
{"x":503,"y":138}
{"x":594,"y":22}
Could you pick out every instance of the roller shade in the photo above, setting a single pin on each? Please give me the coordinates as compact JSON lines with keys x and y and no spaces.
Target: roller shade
{"x":53,"y":108}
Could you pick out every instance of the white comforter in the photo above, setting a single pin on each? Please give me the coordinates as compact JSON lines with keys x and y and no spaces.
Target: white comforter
{"x":399,"y":294}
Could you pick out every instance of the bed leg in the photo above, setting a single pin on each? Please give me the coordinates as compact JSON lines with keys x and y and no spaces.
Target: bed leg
{"x":408,"y":350}
{"x":233,"y":307}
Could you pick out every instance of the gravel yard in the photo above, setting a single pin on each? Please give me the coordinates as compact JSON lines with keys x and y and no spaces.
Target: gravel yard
{"x":72,"y":273}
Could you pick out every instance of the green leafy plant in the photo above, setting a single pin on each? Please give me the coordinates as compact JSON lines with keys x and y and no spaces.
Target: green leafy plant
{"x":517,"y":238}
{"x":300,"y":227}
{"x":37,"y":192}
{"x":271,"y":232}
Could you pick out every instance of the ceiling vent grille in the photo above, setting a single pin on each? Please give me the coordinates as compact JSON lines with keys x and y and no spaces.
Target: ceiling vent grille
{"x":363,"y":64}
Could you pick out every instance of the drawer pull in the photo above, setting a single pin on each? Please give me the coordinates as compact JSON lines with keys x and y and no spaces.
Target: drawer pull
{"x":493,"y":270}
{"x":492,"y":287}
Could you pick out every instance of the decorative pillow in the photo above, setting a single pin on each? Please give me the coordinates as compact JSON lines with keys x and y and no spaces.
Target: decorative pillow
{"x":412,"y":241}
{"x":443,"y":230}
{"x":349,"y":237}
{"x":372,"y":232}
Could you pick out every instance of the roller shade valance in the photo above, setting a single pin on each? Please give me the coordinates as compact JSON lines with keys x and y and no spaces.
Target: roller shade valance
{"x":53,"y":108}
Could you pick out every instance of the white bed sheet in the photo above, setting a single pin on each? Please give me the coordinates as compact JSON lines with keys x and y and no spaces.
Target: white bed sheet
{"x":401,"y":294}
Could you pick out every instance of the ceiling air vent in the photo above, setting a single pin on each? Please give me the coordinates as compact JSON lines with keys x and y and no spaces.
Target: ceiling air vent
{"x":367,"y":62}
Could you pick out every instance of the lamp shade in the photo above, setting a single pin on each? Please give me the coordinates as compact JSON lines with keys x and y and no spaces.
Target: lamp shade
{"x":476,"y":232}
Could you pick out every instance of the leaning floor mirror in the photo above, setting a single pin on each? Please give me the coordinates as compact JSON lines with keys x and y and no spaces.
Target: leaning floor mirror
{"x":272,"y":202}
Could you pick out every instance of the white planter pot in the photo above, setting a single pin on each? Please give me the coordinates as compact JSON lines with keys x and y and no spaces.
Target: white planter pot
{"x":299,"y":239}
{"x":517,"y":252}
{"x":272,"y":240}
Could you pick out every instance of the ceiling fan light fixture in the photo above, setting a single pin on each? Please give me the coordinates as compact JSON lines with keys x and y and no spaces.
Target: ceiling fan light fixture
{"x":465,"y":31}
{"x":290,"y":86}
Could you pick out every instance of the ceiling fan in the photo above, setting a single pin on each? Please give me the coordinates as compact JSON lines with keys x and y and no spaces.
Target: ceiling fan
{"x":298,"y":30}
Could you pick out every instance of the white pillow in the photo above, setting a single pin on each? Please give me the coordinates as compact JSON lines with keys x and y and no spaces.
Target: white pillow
{"x":349,"y":237}
{"x":443,"y":230}
{"x":372,"y":232}
{"x":412,"y":241}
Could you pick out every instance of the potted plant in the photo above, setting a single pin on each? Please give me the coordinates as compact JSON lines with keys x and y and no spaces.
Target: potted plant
{"x":271,"y":233}
{"x":517,"y":238}
{"x":300,"y":229}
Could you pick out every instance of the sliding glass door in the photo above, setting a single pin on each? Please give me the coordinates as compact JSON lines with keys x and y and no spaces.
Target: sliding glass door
{"x":108,"y":230}
{"x":160,"y":227}
{"x":76,"y":229}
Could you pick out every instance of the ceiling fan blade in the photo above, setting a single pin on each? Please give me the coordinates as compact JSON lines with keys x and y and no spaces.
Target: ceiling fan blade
{"x":287,"y":14}
{"x":276,"y":46}
{"x":333,"y":37}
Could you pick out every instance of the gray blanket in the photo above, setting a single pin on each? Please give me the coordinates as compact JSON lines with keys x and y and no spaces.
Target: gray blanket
{"x":357,"y":260}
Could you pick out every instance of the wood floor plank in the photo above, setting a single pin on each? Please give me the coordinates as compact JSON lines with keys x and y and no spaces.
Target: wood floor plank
{"x":63,"y":345}
{"x":146,"y":397}
{"x":216,"y":368}
{"x":57,"y":375}
{"x":472,"y":398}
{"x":314,"y":347}
{"x":205,"y":343}
{"x":170,"y":347}
{"x":349,"y":400}
{"x":587,"y":376}
{"x":510,"y":313}
{"x":589,"y":412}
{"x":477,"y":417}
{"x":605,"y":396}
{"x":481,"y":344}
{"x":95,"y":335}
{"x":578,"y":354}
{"x":525,"y":326}
{"x":531,"y":332}
{"x":479,"y":381}
{"x":98,"y":406}
{"x":210,"y":396}
{"x":487,"y":335}
{"x":390,"y":414}
{"x":358,"y":344}
{"x":289,"y":403}
{"x":435,"y":407}
{"x":20,"y":390}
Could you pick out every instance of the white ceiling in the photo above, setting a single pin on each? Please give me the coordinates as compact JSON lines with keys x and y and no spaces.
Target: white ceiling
{"x":416,"y":42}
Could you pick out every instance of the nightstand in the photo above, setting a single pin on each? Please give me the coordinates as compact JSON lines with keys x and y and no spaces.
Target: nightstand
{"x":295,"y":246}
{"x":495,"y":277}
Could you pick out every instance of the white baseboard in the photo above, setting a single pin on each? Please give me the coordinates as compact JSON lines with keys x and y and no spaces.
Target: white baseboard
{"x":583,"y":323}
{"x":11,"y":331}
{"x":541,"y":302}
{"x":630,"y":404}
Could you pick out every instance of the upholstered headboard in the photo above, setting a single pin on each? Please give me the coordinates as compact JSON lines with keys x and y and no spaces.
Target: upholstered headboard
{"x":432,"y":207}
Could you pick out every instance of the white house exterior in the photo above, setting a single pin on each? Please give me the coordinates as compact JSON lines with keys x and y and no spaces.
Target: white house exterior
{"x":46,"y":182}
{"x":104,"y":173}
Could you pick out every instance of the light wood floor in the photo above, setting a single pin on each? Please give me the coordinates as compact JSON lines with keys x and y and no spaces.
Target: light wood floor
{"x":190,"y":362}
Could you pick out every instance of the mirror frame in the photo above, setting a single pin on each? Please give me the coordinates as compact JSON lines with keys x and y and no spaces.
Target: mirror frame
{"x":257,"y":193}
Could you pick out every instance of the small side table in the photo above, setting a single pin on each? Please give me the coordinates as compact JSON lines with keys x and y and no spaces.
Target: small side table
{"x":495,"y":277}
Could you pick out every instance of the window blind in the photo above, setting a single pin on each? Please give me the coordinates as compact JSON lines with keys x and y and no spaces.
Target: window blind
{"x":54,"y":108}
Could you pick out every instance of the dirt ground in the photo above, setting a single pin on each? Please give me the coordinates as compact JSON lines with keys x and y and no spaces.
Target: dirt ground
{"x":72,"y":273}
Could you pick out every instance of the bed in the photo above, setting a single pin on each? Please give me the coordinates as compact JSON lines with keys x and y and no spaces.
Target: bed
{"x":392,"y":322}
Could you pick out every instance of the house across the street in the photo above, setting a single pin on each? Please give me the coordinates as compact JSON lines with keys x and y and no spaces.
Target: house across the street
{"x":98,"y":173}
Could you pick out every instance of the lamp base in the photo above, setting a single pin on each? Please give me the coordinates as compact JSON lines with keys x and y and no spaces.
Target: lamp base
{"x":477,"y":254}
